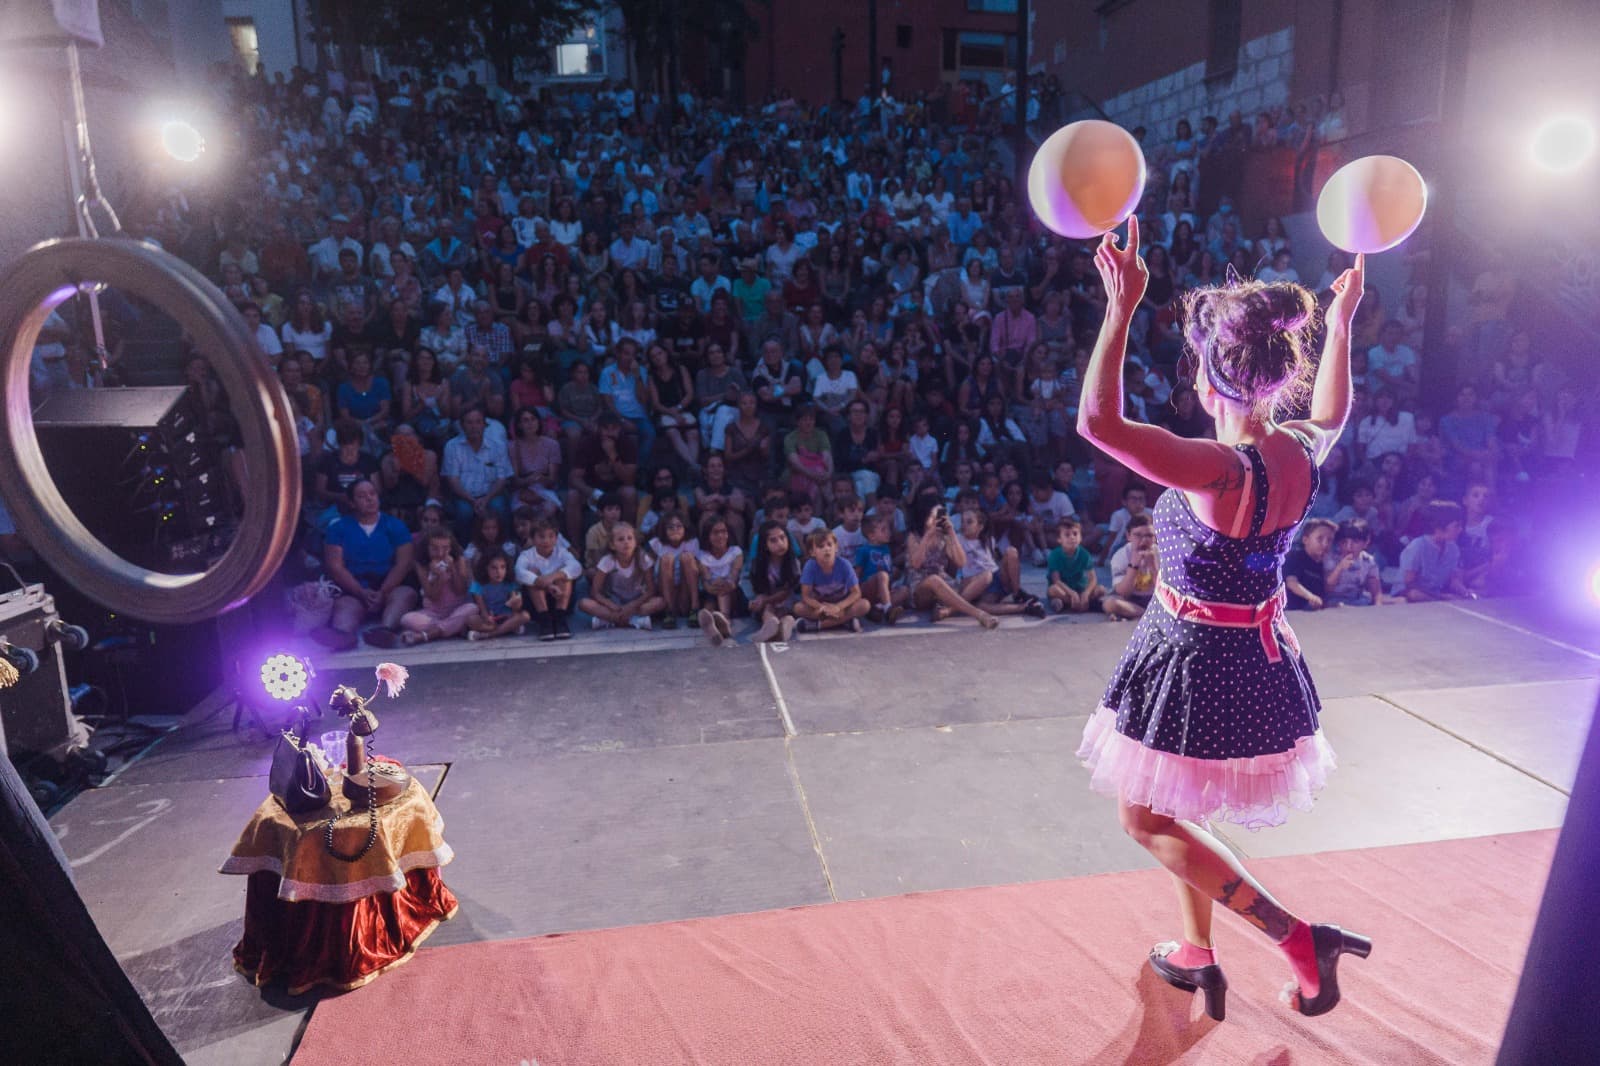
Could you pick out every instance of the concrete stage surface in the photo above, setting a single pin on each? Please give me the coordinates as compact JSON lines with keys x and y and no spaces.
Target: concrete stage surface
{"x":688,"y":782}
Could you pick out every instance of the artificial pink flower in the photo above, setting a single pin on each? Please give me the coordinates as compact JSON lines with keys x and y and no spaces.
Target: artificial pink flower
{"x":393,"y":676}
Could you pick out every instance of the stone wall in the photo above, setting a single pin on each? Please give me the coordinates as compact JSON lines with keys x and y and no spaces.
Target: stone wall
{"x":1262,"y":80}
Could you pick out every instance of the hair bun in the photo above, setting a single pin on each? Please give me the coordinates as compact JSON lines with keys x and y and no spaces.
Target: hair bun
{"x":1278,"y":307}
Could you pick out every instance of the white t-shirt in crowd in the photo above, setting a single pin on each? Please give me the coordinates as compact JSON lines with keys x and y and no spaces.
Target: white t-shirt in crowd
{"x":722,"y":567}
{"x":1380,"y":437}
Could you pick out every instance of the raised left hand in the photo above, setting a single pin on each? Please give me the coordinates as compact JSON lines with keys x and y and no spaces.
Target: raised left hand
{"x":1122,"y":270}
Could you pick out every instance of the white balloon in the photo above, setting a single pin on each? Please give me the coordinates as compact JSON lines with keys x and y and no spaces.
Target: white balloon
{"x":1372,"y":204}
{"x":1086,"y":178}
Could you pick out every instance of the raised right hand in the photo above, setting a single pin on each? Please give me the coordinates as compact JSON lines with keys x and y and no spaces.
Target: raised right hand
{"x":1347,"y":290}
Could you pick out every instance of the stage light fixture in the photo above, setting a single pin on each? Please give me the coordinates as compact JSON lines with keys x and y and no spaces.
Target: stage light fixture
{"x":285,"y":677}
{"x":1563,"y":143}
{"x":182,"y":141}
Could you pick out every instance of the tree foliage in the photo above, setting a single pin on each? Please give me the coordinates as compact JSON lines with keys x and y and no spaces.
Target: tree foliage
{"x":434,"y":32}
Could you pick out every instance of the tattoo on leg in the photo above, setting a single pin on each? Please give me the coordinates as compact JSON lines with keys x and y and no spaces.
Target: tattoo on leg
{"x":1271,"y":917}
{"x":1261,"y":912}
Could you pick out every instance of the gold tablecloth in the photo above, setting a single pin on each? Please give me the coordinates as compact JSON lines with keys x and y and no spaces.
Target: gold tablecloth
{"x":410,"y":837}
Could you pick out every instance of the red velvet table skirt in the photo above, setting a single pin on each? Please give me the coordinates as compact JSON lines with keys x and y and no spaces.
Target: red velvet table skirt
{"x":342,"y":945}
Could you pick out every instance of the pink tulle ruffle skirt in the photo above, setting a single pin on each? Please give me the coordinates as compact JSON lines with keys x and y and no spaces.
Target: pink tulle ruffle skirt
{"x":1253,"y":792}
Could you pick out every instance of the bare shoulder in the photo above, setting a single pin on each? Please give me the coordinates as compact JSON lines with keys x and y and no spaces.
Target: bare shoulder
{"x":1318,"y":437}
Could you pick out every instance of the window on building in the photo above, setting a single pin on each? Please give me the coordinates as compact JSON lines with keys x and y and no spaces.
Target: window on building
{"x":993,"y":7}
{"x":246,"y":47}
{"x":985,"y":51}
{"x":1227,"y":28}
{"x":902,"y":36}
{"x":583,"y":54}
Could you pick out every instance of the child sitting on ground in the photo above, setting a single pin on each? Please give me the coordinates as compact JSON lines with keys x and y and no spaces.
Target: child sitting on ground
{"x":665,"y":499}
{"x":774,"y":508}
{"x":1352,"y":578}
{"x":1133,"y":571}
{"x":597,"y":541}
{"x":1304,"y":572}
{"x":962,"y":479}
{"x":625,"y":592}
{"x":445,"y":579}
{"x":994,"y":584}
{"x":1115,"y":531}
{"x":848,"y":532}
{"x":1074,"y":585}
{"x":718,"y":560}
{"x":805,"y":520}
{"x":1048,"y":507}
{"x":775,"y":579}
{"x":549,"y":572}
{"x":889,"y":509}
{"x":874,"y":563}
{"x":1362,"y":505}
{"x":676,"y":573}
{"x":1430,"y":566}
{"x":830,"y":592}
{"x":488,"y":537}
{"x":498,"y":600}
{"x":430,"y":520}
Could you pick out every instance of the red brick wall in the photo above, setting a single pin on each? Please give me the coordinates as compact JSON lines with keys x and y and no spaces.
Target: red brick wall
{"x":795,"y":49}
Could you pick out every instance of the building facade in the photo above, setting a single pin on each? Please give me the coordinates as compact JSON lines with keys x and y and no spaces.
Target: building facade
{"x":927,"y":43}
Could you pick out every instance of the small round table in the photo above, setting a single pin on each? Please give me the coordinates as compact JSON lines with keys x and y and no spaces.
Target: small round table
{"x":312,"y":919}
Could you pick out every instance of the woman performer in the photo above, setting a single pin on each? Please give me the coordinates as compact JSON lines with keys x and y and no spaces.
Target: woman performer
{"x":1211,"y":713}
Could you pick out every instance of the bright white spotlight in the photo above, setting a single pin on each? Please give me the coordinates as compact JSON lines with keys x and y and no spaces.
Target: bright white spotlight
{"x":182,"y":141}
{"x":285,"y":677}
{"x":1594,"y":584}
{"x":1563,"y":143}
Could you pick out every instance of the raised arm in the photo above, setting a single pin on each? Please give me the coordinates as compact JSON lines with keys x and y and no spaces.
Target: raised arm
{"x":1330,"y":396}
{"x":1150,"y":451}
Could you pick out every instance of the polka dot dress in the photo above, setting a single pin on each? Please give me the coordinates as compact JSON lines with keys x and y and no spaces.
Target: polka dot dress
{"x":1204,"y":724}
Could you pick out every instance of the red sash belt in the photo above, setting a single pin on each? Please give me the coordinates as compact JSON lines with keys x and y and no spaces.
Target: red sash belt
{"x":1266,"y":617}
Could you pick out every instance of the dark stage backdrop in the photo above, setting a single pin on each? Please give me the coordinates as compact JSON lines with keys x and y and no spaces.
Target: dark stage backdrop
{"x":63,"y":997}
{"x":1552,"y":1020}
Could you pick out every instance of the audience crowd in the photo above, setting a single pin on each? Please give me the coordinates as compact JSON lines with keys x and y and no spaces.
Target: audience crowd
{"x":816,"y":367}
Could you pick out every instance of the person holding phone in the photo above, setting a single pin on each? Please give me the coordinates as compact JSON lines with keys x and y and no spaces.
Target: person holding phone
{"x":1211,"y":714}
{"x":933,"y":553}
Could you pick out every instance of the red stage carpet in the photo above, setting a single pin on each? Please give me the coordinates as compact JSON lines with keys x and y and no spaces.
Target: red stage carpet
{"x":1050,"y":972}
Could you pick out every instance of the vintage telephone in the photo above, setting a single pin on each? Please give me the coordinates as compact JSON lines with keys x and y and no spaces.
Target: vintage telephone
{"x":368,"y":783}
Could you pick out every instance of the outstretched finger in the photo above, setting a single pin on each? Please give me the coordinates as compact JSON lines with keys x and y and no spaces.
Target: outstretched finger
{"x":1133,"y":233}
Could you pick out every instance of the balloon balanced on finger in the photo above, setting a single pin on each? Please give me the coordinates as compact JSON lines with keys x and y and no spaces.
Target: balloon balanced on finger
{"x":1371,"y":204}
{"x":1086,"y":178}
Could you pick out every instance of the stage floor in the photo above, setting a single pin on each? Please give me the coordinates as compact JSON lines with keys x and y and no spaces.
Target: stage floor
{"x":663,"y":784}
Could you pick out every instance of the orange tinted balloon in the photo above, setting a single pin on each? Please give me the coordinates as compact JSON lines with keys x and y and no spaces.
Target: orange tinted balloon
{"x":1372,"y":204}
{"x":1086,"y":178}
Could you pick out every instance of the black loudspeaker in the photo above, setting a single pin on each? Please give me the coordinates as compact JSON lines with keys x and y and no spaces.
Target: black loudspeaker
{"x":35,"y":712}
{"x":141,"y":470}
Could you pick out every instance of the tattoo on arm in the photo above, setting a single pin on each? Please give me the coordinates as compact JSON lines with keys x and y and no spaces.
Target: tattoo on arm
{"x":1232,"y":478}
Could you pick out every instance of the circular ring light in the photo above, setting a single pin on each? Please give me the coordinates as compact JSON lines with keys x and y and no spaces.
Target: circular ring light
{"x":46,"y":276}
